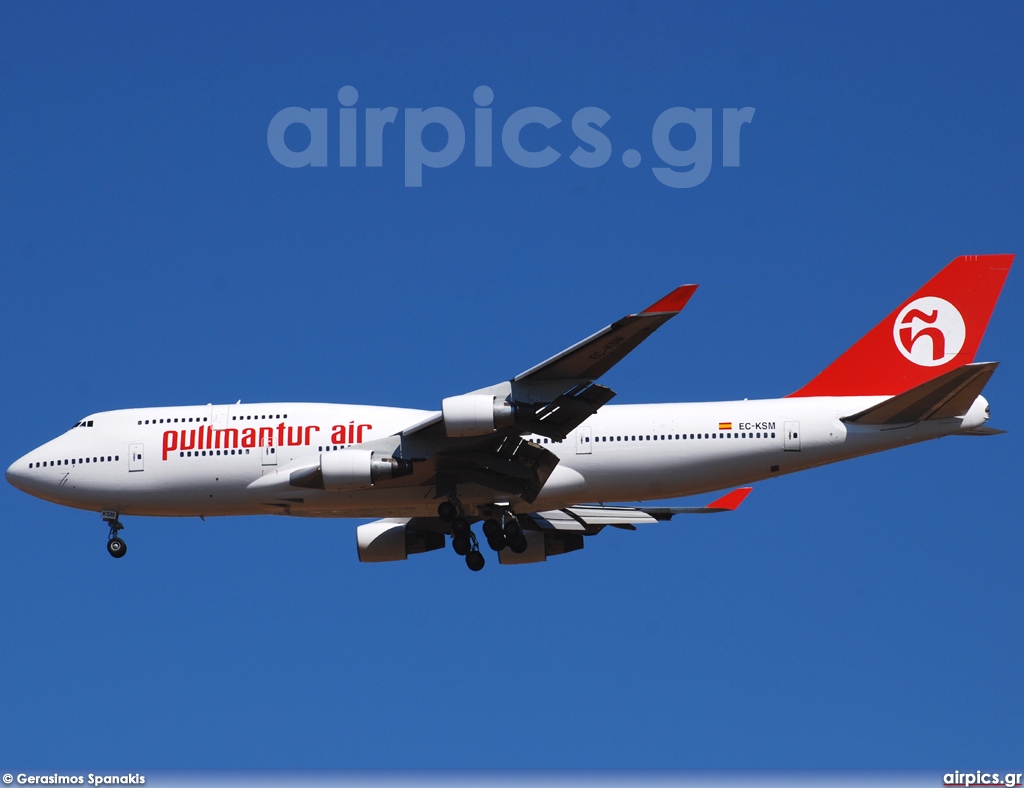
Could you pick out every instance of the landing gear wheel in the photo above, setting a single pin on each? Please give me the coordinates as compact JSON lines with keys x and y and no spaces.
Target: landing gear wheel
{"x":459,"y":526}
{"x":116,"y":547}
{"x":496,"y":543}
{"x":447,"y":511}
{"x":461,"y":544}
{"x":115,"y":544}
{"x":513,"y":530}
{"x":475,"y":561}
{"x":518,"y":545}
{"x":492,"y":528}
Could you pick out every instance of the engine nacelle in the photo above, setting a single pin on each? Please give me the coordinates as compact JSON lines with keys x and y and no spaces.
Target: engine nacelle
{"x":352,"y":469}
{"x":475,"y":414}
{"x":541,"y":544}
{"x":391,"y":540}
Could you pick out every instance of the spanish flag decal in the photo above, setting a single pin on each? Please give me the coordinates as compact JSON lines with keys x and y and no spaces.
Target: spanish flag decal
{"x":725,"y":425}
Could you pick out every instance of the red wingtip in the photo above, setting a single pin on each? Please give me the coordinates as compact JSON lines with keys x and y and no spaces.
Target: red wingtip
{"x":731,"y":501}
{"x":673,"y":302}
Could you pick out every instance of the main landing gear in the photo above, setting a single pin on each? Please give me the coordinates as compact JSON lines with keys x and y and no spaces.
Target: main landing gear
{"x":500,"y":533}
{"x":464,"y":541}
{"x":503,"y":533}
{"x":115,"y":544}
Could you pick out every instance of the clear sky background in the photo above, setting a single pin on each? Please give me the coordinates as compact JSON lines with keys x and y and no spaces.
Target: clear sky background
{"x":153,"y":252}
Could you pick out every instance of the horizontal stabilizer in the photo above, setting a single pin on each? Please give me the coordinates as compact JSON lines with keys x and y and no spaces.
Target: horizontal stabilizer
{"x":945,"y":397}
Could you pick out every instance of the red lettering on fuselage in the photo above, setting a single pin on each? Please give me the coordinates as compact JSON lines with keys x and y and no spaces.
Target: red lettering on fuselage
{"x":229,"y":437}
{"x":207,"y":437}
{"x":170,"y":442}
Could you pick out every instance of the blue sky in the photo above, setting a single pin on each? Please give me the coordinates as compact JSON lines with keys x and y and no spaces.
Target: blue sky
{"x":865,"y":615}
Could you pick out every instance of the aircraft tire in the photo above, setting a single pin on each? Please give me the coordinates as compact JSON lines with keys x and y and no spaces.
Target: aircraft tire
{"x":116,"y":547}
{"x":461,"y":544}
{"x":475,"y":561}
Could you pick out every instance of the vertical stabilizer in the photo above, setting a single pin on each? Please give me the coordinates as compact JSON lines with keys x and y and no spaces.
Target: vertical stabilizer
{"x":934,"y":331}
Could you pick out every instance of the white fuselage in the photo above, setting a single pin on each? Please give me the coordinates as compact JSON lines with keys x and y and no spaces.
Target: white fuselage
{"x":236,"y":459}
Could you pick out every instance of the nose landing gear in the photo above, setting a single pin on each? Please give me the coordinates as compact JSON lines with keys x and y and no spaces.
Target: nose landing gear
{"x":115,"y":544}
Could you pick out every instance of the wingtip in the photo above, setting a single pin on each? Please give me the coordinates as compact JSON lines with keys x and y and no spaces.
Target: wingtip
{"x":673,"y":302}
{"x":731,"y":501}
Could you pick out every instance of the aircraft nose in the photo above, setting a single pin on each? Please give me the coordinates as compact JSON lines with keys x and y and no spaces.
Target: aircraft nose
{"x":17,"y":473}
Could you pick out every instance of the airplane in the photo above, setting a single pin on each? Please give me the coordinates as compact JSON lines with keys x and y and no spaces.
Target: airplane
{"x":541,"y":458}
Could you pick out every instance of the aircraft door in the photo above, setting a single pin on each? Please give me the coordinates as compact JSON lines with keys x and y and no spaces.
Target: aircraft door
{"x":583,"y":440}
{"x":135,"y":457}
{"x":220,"y":417}
{"x":792,"y":436}
{"x":269,"y":455}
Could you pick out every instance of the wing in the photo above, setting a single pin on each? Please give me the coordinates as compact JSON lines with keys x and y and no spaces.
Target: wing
{"x":478,"y":436}
{"x":588,"y":360}
{"x":593,"y":518}
{"x":560,"y":531}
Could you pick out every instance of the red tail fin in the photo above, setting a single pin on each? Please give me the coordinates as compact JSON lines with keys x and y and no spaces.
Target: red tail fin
{"x":937,"y":329}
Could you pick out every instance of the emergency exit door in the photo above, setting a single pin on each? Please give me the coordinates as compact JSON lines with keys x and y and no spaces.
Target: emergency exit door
{"x":791,"y":441}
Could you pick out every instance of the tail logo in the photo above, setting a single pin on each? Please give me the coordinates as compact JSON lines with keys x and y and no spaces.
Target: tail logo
{"x":929,"y":331}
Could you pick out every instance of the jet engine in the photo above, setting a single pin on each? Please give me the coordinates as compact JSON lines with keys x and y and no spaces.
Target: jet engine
{"x":475,"y":414}
{"x":352,"y":469}
{"x":391,"y":540}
